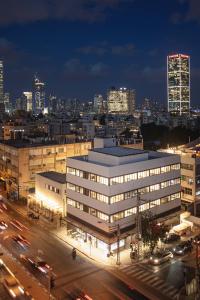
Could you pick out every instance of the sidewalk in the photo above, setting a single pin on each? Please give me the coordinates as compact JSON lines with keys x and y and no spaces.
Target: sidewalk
{"x":29,"y":282}
{"x":92,"y":252}
{"x":84,"y":248}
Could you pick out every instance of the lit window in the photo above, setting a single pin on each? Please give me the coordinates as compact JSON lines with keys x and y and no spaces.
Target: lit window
{"x":175,"y":196}
{"x":130,"y":194}
{"x":116,"y":180}
{"x":165,"y":184}
{"x":154,"y":203}
{"x":71,"y":186}
{"x":165,"y":169}
{"x":154,"y":187}
{"x":164,"y":200}
{"x":130,"y":212}
{"x":144,"y":190}
{"x":143,"y":174}
{"x":130,"y":177}
{"x":71,"y":170}
{"x":144,"y":207}
{"x":175,"y":167}
{"x":116,"y":198}
{"x":102,"y":216}
{"x":155,"y":171}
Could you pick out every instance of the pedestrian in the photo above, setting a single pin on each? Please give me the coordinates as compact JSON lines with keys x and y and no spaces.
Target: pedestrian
{"x":74,"y":253}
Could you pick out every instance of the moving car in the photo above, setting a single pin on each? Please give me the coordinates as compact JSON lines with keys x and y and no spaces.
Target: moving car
{"x":39,"y":264}
{"x":170,"y":238}
{"x":183,"y":248}
{"x":18,"y":225}
{"x":12,"y":286}
{"x":3,"y":225}
{"x":160,"y":257}
{"x":21,"y":241}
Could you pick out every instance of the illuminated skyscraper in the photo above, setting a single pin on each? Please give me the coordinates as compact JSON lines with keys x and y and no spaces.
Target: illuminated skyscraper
{"x":1,"y":82}
{"x":178,"y":84}
{"x":121,"y":101}
{"x":28,"y":100}
{"x":38,"y":96}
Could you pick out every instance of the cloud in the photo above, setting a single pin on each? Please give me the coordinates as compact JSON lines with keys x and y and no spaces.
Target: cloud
{"x":191,"y":12}
{"x":105,"y":48}
{"x":74,"y":69}
{"x":26,"y":11}
{"x":8,"y":50}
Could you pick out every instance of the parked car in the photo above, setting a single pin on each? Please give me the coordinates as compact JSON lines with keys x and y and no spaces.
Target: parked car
{"x":160,"y":257}
{"x":183,"y":248}
{"x":170,"y":238}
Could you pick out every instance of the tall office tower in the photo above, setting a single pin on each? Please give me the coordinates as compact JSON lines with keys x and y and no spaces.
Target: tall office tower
{"x":1,"y":82}
{"x":28,"y":100}
{"x":7,"y":103}
{"x":52,"y":103}
{"x":121,"y":101}
{"x":98,"y":104}
{"x":39,"y":104}
{"x":178,"y":84}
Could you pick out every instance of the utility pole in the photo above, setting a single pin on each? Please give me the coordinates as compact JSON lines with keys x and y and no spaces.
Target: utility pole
{"x":138,"y":225}
{"x":118,"y":245}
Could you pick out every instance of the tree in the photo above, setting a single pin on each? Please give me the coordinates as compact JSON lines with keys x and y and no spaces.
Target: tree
{"x":151,"y":230}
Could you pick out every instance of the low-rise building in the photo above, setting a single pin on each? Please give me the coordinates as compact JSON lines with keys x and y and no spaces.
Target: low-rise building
{"x":20,"y":160}
{"x":103,"y":191}
{"x":49,"y":200}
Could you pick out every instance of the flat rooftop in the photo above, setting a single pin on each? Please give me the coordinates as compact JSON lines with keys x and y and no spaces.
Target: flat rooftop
{"x":28,"y":144}
{"x":55,"y":176}
{"x":119,"y":151}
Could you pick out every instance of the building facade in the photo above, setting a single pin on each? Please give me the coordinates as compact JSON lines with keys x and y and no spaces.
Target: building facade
{"x":178,"y":84}
{"x":103,"y":188}
{"x":21,"y":160}
{"x":49,"y":200}
{"x":38,"y":96}
{"x":121,"y":101}
{"x":1,"y":82}
{"x":28,"y":97}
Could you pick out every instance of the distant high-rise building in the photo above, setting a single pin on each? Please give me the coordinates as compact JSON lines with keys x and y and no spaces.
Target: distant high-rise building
{"x":121,"y":101}
{"x":39,"y":104}
{"x":1,"y":83}
{"x":178,"y":84}
{"x":98,"y":104}
{"x":7,"y":103}
{"x":28,"y":99}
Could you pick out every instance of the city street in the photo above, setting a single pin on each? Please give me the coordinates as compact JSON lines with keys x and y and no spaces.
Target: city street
{"x":70,"y":274}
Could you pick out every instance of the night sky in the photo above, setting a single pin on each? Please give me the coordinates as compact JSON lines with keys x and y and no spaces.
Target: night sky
{"x":82,"y":47}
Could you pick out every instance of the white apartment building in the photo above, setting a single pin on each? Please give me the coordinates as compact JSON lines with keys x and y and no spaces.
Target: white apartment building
{"x":103,"y":187}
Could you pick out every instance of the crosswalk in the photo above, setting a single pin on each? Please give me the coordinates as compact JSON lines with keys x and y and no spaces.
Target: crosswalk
{"x":150,"y":279}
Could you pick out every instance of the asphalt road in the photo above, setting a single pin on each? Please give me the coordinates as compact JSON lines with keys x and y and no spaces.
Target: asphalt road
{"x":81,"y":273}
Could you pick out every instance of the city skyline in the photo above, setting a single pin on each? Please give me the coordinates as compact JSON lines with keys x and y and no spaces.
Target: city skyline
{"x":94,"y":47}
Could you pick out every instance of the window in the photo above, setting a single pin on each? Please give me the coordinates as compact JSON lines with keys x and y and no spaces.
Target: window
{"x":60,"y":150}
{"x":144,"y":207}
{"x":164,"y":200}
{"x":71,"y":202}
{"x":144,"y":190}
{"x":93,"y":177}
{"x":93,"y":194}
{"x":165,"y":184}
{"x":130,"y":177}
{"x":154,"y":203}
{"x":175,"y":196}
{"x":102,"y":180}
{"x":102,"y":198}
{"x":71,"y":186}
{"x":155,"y":171}
{"x":79,"y":205}
{"x":71,"y":170}
{"x":79,"y":189}
{"x":154,"y":187}
{"x":116,"y":180}
{"x":57,"y":191}
{"x":165,"y":169}
{"x":187,"y":191}
{"x":187,"y":167}
{"x":175,"y":167}
{"x":116,"y":198}
{"x":130,"y":194}
{"x":102,"y":216}
{"x":117,"y":217}
{"x":79,"y":173}
{"x":175,"y":181}
{"x":143,"y":174}
{"x":93,"y":212}
{"x":130,"y":211}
